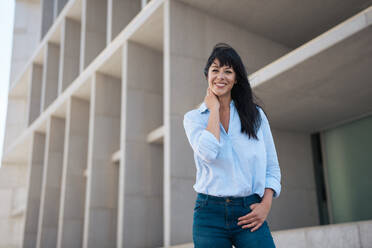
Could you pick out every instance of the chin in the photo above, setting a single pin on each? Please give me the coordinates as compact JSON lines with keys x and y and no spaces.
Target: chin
{"x":219,"y":92}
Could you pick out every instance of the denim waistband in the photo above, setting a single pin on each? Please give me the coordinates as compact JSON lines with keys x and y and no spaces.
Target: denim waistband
{"x":233,"y":200}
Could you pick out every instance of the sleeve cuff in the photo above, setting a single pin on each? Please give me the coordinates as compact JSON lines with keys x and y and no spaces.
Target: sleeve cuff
{"x":273,"y":184}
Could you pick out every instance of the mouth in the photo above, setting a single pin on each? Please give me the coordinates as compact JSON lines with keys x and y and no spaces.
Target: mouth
{"x":220,"y":85}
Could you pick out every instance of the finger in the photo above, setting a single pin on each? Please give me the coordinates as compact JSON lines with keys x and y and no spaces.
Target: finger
{"x":250,"y":225}
{"x":253,"y":206}
{"x":247,"y":221}
{"x":256,"y":227}
{"x":248,"y":216}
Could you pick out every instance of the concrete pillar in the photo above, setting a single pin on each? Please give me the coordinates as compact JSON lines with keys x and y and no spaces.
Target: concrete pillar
{"x":34,"y":97}
{"x":120,"y":13}
{"x":184,"y":92}
{"x":13,"y":183}
{"x":26,"y":36}
{"x":143,"y":3}
{"x":50,"y":75}
{"x":100,"y":218}
{"x":58,"y":6}
{"x":35,"y":178}
{"x":47,"y":16}
{"x":51,"y":186}
{"x":16,"y":119}
{"x":71,"y":215}
{"x":93,"y":30}
{"x":141,"y":225}
{"x":70,"y":53}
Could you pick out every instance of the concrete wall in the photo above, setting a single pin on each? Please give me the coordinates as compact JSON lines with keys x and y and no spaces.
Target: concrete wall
{"x":16,"y":119}
{"x":12,"y":194}
{"x":69,"y":53}
{"x":353,"y":234}
{"x":58,"y":6}
{"x":26,"y":35}
{"x":47,"y":16}
{"x":93,"y":30}
{"x":35,"y":92}
{"x":50,"y":9}
{"x":50,"y":75}
{"x":297,"y":204}
{"x":120,"y":13}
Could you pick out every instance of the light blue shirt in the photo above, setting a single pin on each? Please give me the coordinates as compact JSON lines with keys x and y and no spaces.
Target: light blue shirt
{"x":236,"y":165}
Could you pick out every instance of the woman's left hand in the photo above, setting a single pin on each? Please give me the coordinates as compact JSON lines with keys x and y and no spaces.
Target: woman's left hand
{"x":256,"y":217}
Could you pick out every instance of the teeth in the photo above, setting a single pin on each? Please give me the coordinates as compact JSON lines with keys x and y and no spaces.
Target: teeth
{"x":220,"y":84}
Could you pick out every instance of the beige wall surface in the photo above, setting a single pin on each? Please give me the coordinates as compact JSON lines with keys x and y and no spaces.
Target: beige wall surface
{"x":26,"y":34}
{"x":13,"y":196}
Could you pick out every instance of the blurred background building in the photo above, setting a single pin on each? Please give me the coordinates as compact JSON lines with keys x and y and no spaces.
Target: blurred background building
{"x":95,"y":153}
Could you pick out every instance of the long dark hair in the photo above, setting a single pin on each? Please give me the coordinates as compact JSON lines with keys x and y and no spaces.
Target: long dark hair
{"x":244,"y":99}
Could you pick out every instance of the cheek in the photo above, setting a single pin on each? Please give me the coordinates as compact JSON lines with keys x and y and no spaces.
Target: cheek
{"x":231,"y":86}
{"x":211,"y":79}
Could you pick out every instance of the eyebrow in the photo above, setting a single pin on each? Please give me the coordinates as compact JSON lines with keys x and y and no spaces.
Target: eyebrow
{"x":219,"y":67}
{"x":215,"y":65}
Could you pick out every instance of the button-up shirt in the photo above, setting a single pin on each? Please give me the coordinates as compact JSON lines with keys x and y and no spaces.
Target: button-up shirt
{"x":236,"y":165}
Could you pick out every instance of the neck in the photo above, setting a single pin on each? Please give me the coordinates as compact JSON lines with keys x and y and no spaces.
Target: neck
{"x":224,"y":102}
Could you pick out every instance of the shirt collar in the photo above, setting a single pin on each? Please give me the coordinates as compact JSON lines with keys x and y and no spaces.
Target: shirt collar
{"x":203,"y":108}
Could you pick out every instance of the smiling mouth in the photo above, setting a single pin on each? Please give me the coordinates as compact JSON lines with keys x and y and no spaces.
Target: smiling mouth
{"x":220,"y":85}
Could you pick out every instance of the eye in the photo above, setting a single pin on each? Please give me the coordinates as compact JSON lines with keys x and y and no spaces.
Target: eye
{"x":228,"y":71}
{"x":214,"y":70}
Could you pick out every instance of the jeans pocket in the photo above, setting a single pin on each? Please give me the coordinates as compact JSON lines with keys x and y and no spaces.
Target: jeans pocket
{"x":198,"y":205}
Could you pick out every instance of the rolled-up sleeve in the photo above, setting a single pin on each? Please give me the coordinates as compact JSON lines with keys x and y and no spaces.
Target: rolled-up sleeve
{"x":273,"y":175}
{"x":203,"y":142}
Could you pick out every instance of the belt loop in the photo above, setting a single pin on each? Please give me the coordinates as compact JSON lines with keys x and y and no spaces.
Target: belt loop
{"x":245,"y":202}
{"x":206,"y":200}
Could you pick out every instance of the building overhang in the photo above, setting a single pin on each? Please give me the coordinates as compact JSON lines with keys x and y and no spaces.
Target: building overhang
{"x":289,"y":22}
{"x":322,"y":84}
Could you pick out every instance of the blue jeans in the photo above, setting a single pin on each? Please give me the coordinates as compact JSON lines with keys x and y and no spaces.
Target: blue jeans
{"x":215,"y":223}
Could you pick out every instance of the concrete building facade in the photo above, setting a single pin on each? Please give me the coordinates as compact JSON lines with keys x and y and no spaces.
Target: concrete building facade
{"x":95,"y":153}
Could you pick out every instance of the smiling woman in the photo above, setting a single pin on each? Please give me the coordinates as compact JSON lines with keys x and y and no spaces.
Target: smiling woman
{"x":238,"y":172}
{"x":222,"y":78}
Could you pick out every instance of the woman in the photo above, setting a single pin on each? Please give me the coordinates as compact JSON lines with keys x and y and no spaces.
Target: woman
{"x":238,"y":172}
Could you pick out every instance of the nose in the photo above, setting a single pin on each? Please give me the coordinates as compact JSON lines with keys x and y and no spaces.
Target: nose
{"x":220,"y":75}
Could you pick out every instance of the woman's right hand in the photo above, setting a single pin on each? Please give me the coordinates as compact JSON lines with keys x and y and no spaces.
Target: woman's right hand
{"x":211,"y":100}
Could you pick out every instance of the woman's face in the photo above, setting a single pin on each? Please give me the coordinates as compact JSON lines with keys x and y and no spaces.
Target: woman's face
{"x":221,"y":79}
